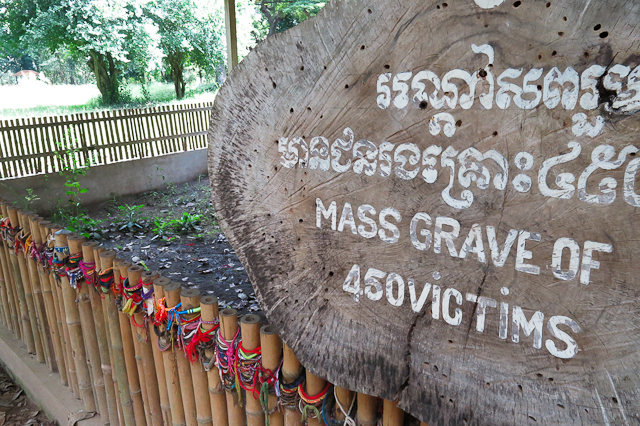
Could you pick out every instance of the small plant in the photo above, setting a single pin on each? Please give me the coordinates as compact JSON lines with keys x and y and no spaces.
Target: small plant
{"x":131,"y":219}
{"x":187,"y":224}
{"x":30,"y":198}
{"x":161,"y":228}
{"x":82,"y":224}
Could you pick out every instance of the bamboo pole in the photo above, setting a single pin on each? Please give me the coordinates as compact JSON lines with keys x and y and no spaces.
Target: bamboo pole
{"x":250,"y":331}
{"x":172,"y":294}
{"x":6,"y":311}
{"x":345,"y":398}
{"x":147,"y":283}
{"x":27,"y":331}
{"x":101,"y":335}
{"x":26,"y":283}
{"x":141,"y":335}
{"x":90,"y":337}
{"x":229,"y":329}
{"x":367,"y":410}
{"x":100,"y":297}
{"x":38,"y":288}
{"x":314,"y":386}
{"x":56,"y":290}
{"x":7,"y":269}
{"x":391,"y":414}
{"x":117,"y":347}
{"x":190,"y":299}
{"x":36,"y":313}
{"x":75,"y":332}
{"x":218,"y":400}
{"x":170,"y":362}
{"x":291,"y":369}
{"x":39,"y":237}
{"x":271,"y":356}
{"x":129,"y":350}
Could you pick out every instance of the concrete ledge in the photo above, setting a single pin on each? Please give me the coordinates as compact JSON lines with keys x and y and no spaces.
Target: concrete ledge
{"x":43,"y":387}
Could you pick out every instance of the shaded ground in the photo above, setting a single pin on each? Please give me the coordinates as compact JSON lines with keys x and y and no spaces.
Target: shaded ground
{"x":174,"y":232}
{"x":15,"y":408}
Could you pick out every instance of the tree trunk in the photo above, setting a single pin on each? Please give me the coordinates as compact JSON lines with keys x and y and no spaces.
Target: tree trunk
{"x":176,"y":62}
{"x":104,"y":68}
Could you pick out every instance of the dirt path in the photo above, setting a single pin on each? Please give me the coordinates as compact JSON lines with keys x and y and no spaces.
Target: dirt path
{"x":15,"y":408}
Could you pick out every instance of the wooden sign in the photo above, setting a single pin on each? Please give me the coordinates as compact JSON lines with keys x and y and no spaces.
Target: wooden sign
{"x":437,"y":203}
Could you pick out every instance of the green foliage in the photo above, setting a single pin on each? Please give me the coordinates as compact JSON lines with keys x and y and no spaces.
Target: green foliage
{"x":280,"y":15}
{"x":30,"y":198}
{"x":69,"y":158}
{"x":131,"y":219}
{"x":83,"y":225}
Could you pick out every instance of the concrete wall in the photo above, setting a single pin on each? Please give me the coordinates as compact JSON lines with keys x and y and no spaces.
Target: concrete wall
{"x":112,"y":180}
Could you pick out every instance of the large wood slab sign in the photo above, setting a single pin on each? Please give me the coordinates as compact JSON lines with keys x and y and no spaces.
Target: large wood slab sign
{"x":437,"y":203}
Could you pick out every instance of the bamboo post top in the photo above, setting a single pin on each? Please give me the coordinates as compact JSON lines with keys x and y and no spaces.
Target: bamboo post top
{"x":172,"y":294}
{"x":208,"y":310}
{"x":61,"y":239}
{"x":106,"y":259}
{"x":34,"y":225}
{"x":250,"y":329}
{"x":88,"y":251}
{"x":75,"y":244}
{"x":228,"y":323}
{"x":271,"y":347}
{"x":190,"y":298}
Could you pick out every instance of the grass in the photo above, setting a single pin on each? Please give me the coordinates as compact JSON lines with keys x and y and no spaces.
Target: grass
{"x":17,"y":101}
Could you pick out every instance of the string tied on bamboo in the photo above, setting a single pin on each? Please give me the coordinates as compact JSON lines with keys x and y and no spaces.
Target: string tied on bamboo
{"x":269,"y":385}
{"x":201,"y":341}
{"x":328,"y":405}
{"x":311,"y":403}
{"x":287,"y":394}
{"x":9,"y":233}
{"x":88,"y":272}
{"x":248,"y":367}
{"x":132,"y":297}
{"x":73,"y":271}
{"x":105,"y":280}
{"x":20,"y":241}
{"x":225,"y":355}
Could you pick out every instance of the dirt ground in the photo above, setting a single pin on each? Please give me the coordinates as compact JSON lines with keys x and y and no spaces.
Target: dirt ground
{"x":15,"y":408}
{"x":193,"y":253}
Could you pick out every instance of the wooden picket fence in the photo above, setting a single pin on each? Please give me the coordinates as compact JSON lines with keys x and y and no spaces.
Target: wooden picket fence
{"x":40,"y":145}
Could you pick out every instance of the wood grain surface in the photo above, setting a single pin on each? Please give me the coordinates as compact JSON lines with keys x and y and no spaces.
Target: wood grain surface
{"x":437,"y":203}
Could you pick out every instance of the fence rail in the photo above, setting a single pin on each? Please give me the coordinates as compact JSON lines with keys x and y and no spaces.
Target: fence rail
{"x":31,"y":146}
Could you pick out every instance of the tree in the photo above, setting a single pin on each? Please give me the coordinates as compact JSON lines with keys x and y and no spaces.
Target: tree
{"x":176,"y":25}
{"x":281,"y":15}
{"x":101,"y":31}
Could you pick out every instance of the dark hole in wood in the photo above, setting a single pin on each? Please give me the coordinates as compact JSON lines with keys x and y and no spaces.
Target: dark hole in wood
{"x":539,"y":57}
{"x":438,"y":7}
{"x":450,"y":400}
{"x":325,"y":67}
{"x":554,"y":53}
{"x":301,"y":221}
{"x":520,"y":387}
{"x":435,"y":368}
{"x":276,"y":167}
{"x":597,"y":27}
{"x":346,"y":86}
{"x":444,"y":5}
{"x":560,"y":405}
{"x":326,"y":290}
{"x":551,"y":379}
{"x":517,"y":3}
{"x":458,"y":123}
{"x":488,"y":384}
{"x":564,"y":18}
{"x":482,"y":73}
{"x":633,"y":154}
{"x":368,"y":10}
{"x":533,"y":418}
{"x":486,"y":25}
{"x":362,"y":47}
{"x":322,"y":116}
{"x":539,"y":87}
{"x":586,"y":54}
{"x":330,"y":273}
{"x":274,"y":84}
{"x":539,"y":375}
{"x":560,"y":33}
{"x":249,"y":165}
{"x":495,"y":133}
{"x":291,"y":110}
{"x":441,"y":396}
{"x":308,"y":108}
{"x":615,"y":400}
{"x":295,"y":301}
{"x":604,"y":34}
{"x":450,"y":341}
{"x":548,"y":4}
{"x":586,"y":410}
{"x":423,"y":105}
{"x":302,"y":68}
{"x":387,"y":66}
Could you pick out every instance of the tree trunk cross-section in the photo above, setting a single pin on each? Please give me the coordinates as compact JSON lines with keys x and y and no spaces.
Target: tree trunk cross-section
{"x":437,"y":203}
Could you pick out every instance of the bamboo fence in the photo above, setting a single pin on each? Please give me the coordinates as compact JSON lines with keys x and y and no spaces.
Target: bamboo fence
{"x":140,"y":350}
{"x":40,"y":145}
